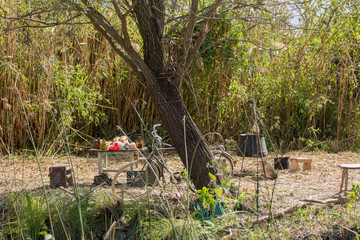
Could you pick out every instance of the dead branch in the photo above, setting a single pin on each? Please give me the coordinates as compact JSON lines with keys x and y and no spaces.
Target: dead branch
{"x":67,"y":191}
{"x":277,"y":215}
{"x":338,"y":200}
{"x":280,"y":214}
{"x":79,"y":133}
{"x":110,"y":229}
{"x":291,"y":209}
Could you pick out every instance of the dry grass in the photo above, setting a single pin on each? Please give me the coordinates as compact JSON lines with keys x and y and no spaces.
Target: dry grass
{"x":322,"y":182}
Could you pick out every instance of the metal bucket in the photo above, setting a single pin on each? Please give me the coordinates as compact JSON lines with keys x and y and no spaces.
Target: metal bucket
{"x":249,"y":146}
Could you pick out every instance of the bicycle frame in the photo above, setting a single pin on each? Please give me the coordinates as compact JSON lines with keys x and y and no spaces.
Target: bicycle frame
{"x":153,"y":163}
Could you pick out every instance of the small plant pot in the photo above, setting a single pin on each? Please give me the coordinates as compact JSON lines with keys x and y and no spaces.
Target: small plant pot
{"x":282,"y":163}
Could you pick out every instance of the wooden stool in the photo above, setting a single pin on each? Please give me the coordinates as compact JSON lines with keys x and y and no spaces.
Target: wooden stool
{"x":60,"y":175}
{"x":344,"y":176}
{"x":294,"y":164}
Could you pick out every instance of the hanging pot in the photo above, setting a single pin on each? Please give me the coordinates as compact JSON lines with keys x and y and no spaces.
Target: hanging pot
{"x":249,"y":146}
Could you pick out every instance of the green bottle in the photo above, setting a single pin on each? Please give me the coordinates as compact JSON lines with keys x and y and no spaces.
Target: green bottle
{"x":103,"y":145}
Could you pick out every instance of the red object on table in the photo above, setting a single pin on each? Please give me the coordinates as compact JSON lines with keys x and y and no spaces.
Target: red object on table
{"x":115,"y":147}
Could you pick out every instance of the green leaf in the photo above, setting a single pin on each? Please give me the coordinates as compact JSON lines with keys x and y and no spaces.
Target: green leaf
{"x":218,"y":191}
{"x":213,"y":177}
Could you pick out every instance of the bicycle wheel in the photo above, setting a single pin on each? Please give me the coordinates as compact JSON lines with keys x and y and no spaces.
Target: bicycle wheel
{"x":135,"y":180}
{"x":225,"y":162}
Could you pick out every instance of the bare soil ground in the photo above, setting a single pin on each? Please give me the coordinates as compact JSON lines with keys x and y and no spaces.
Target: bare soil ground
{"x":322,"y":182}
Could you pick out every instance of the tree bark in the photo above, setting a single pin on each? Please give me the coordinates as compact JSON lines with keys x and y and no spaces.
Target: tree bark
{"x":191,"y":147}
{"x":189,"y":142}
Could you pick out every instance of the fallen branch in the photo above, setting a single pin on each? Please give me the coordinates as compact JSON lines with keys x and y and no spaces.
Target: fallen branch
{"x":338,"y":200}
{"x":79,"y":133}
{"x":110,"y":229}
{"x":291,"y":209}
{"x":67,"y":191}
{"x":280,"y":214}
{"x":277,"y":215}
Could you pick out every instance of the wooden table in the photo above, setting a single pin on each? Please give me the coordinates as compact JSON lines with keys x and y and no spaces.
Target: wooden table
{"x":103,"y":156}
{"x":344,"y":177}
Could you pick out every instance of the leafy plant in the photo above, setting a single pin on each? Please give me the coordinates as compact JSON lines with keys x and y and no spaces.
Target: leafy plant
{"x":354,"y":194}
{"x":206,"y":196}
{"x":29,"y":215}
{"x":67,"y":218}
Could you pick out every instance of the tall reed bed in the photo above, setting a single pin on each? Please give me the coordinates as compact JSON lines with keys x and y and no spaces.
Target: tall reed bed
{"x":304,"y":81}
{"x":69,"y":71}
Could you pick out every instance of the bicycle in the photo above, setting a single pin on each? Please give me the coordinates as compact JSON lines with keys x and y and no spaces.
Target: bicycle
{"x":138,"y":178}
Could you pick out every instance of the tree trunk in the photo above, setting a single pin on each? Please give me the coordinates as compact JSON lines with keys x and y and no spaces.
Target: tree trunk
{"x":190,"y":144}
{"x":192,"y":148}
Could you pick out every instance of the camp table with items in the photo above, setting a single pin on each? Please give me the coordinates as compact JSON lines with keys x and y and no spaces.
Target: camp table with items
{"x":103,"y":157}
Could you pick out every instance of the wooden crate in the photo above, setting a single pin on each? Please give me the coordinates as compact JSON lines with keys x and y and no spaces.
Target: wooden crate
{"x":60,"y":175}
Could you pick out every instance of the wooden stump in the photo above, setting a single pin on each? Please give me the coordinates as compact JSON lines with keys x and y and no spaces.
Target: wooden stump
{"x":60,"y":175}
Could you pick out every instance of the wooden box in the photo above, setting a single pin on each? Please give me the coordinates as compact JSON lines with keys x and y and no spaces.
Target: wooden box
{"x":60,"y":175}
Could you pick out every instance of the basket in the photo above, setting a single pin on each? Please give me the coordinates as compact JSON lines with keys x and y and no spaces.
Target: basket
{"x":203,"y":213}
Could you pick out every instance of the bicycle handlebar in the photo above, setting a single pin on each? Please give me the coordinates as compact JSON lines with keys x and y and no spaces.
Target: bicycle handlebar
{"x":154,"y":130}
{"x":158,"y":138}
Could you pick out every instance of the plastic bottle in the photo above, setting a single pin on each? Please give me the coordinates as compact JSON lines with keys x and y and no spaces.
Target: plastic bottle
{"x":103,"y":145}
{"x":139,"y":142}
{"x":98,"y":144}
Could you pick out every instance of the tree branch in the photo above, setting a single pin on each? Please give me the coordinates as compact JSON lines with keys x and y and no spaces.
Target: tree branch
{"x":189,"y":30}
{"x":102,"y":25}
{"x":43,"y":24}
{"x":123,"y":21}
{"x":151,"y":20}
{"x":205,"y":28}
{"x":119,"y":52}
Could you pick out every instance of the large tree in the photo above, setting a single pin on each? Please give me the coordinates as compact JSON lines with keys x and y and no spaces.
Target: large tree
{"x":163,"y":73}
{"x":172,"y":32}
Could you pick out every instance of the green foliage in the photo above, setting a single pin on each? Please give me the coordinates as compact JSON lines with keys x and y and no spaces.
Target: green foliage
{"x":302,"y":95}
{"x":169,"y":228}
{"x":354,"y":194}
{"x":27,"y":214}
{"x":67,"y":220}
{"x":206,"y":196}
{"x":78,"y":101}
